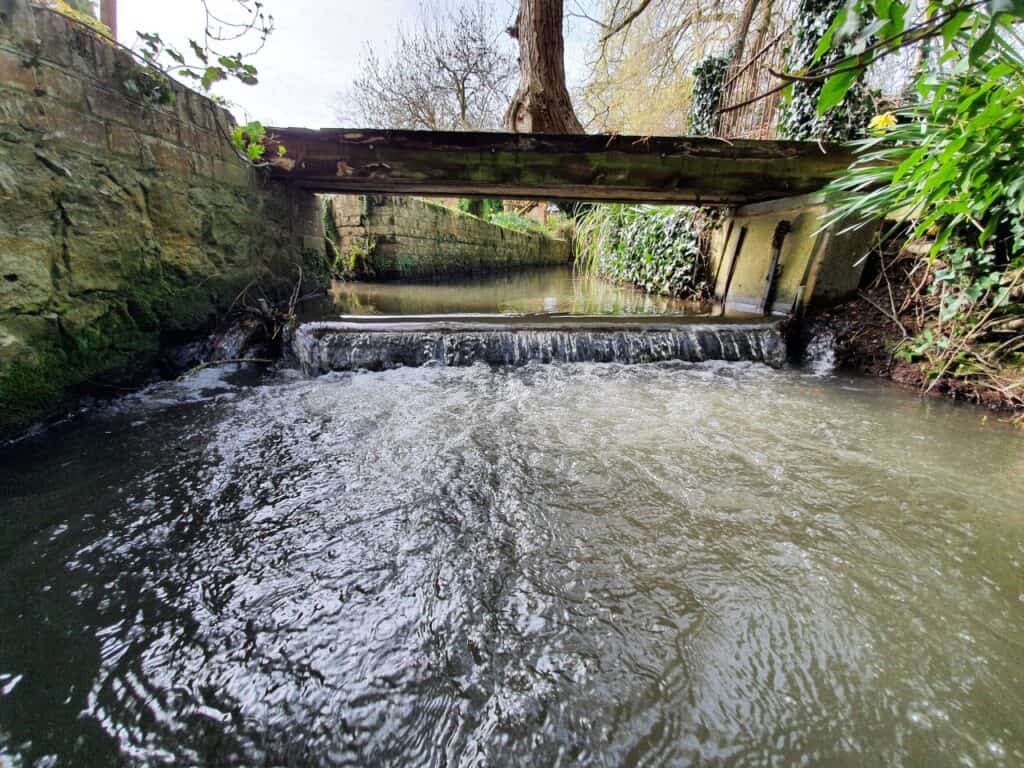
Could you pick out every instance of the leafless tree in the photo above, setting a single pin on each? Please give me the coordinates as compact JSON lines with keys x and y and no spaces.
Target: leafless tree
{"x":452,"y":70}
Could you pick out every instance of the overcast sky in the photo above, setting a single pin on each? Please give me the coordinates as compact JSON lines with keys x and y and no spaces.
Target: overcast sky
{"x":314,"y":51}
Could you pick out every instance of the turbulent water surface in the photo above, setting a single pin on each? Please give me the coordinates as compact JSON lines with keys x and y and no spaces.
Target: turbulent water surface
{"x":585,"y":564}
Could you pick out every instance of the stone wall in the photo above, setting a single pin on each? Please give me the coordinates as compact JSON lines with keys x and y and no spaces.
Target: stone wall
{"x":405,"y":237}
{"x":122,"y":221}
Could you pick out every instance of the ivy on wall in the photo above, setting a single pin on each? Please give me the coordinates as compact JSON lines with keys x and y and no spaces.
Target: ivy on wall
{"x":659,"y":249}
{"x":799,"y":118}
{"x":708,"y":79}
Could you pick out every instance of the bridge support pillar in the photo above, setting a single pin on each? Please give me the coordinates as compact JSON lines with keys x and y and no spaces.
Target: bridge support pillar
{"x":775,"y":258}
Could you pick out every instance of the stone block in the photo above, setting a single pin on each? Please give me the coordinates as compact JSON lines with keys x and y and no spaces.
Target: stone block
{"x":61,"y":124}
{"x":13,"y":106}
{"x":232,"y":172}
{"x":52,"y":30}
{"x":124,"y":141}
{"x":209,"y":143}
{"x":25,"y":281}
{"x":166,"y":156}
{"x":105,"y":60}
{"x":15,"y":72}
{"x":18,"y":21}
{"x":57,"y":84}
{"x":201,"y":110}
{"x":110,"y":105}
{"x":202,"y":166}
{"x":171,"y":211}
{"x":22,"y":335}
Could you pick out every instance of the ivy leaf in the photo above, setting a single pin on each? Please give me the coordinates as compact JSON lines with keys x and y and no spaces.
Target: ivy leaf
{"x":835,"y":89}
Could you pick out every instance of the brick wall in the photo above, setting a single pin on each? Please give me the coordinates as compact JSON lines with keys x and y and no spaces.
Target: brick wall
{"x":414,"y":238}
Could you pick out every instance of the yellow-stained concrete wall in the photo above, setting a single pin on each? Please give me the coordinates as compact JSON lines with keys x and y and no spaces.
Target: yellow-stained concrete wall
{"x":816,"y":267}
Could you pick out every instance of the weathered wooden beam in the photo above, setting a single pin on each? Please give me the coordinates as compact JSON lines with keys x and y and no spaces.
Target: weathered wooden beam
{"x":682,"y":170}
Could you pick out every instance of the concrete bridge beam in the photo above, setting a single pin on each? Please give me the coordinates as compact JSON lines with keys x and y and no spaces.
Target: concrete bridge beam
{"x":777,"y":258}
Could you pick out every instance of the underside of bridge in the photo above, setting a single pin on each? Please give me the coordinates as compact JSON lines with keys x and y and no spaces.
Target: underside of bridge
{"x":770,"y":254}
{"x":655,"y":169}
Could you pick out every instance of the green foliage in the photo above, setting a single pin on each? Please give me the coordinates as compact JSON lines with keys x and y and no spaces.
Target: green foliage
{"x":358,"y":262}
{"x":557,"y":226}
{"x":84,"y":12}
{"x":483,"y":208}
{"x":252,"y":140}
{"x":709,"y":77}
{"x":513,"y":221}
{"x":847,"y":104}
{"x":864,"y":31}
{"x":656,"y":248}
{"x":205,"y":63}
{"x":949,"y":169}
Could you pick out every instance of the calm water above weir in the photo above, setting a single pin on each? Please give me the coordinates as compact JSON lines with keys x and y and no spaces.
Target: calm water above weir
{"x":553,"y":290}
{"x":586,"y":564}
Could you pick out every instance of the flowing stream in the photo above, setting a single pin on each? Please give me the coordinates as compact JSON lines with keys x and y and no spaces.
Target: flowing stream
{"x":674,"y":563}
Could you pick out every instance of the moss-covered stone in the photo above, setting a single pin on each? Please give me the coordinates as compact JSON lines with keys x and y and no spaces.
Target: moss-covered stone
{"x":105,"y":247}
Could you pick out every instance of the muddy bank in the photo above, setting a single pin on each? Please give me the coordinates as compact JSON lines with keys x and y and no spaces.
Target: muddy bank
{"x":873,"y":334}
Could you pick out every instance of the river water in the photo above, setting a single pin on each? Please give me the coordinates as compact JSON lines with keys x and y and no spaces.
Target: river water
{"x":543,"y":291}
{"x":571,"y":564}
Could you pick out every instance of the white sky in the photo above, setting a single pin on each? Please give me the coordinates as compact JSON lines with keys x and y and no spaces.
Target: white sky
{"x":314,"y":51}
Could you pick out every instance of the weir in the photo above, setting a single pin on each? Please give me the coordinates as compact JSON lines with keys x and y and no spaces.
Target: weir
{"x":321,"y":347}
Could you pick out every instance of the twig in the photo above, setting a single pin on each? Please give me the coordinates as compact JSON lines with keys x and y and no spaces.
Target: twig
{"x":885,"y":313}
{"x":971,"y":335}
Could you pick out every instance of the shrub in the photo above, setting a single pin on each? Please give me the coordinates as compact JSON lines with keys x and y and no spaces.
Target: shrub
{"x":656,"y":248}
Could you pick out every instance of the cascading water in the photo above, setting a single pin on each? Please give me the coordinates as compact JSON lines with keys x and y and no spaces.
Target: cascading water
{"x":340,"y":346}
{"x":820,"y":354}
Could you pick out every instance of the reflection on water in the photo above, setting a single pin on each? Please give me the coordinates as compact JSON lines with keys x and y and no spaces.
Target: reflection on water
{"x":713,"y":564}
{"x":554,"y":290}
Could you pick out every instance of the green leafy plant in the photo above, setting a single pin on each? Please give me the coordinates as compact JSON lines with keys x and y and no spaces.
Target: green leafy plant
{"x":656,"y":248}
{"x":708,"y":80}
{"x":513,"y":221}
{"x":252,"y":141}
{"x":208,"y":60}
{"x":866,"y":31}
{"x":799,"y":117}
{"x":359,"y":260}
{"x":483,"y":208}
{"x":948,"y":169}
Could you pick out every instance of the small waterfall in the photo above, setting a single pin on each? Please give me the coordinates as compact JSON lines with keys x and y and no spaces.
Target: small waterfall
{"x":820,"y":353}
{"x":328,"y":346}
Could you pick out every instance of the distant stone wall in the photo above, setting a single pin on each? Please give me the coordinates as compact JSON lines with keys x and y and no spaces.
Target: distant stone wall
{"x":122,"y":221}
{"x":405,"y":237}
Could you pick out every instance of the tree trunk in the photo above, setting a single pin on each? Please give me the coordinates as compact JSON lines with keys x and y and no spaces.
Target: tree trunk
{"x":742,"y":30}
{"x":108,"y":15}
{"x":542,"y":103}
